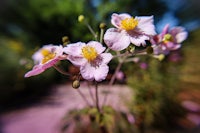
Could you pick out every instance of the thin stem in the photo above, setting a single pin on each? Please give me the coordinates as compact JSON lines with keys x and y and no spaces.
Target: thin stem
{"x":116,"y":71}
{"x":61,"y":70}
{"x":101,"y":35}
{"x":84,"y":98}
{"x":91,"y":30}
{"x":97,"y":97}
{"x":141,"y":52}
{"x":114,"y":77}
{"x":91,"y":94}
{"x":107,"y":50}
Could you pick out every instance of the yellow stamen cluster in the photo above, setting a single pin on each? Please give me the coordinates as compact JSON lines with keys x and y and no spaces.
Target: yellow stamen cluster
{"x":167,"y":38}
{"x":89,"y":53}
{"x":47,"y":55}
{"x":129,"y":24}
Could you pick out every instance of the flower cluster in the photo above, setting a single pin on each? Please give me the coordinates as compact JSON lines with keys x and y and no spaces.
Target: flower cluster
{"x":93,"y":57}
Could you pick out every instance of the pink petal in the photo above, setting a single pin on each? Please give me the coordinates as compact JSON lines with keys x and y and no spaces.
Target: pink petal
{"x":116,"y":39}
{"x":146,"y":25}
{"x":87,"y":72}
{"x":101,"y":72}
{"x":138,"y":40}
{"x":117,"y":18}
{"x":165,"y":30}
{"x":90,"y":73}
{"x":98,"y":46}
{"x":179,"y":34}
{"x":106,"y":57}
{"x":77,"y":61}
{"x":177,"y":46}
{"x":180,"y":37}
{"x":41,"y":68}
{"x":74,"y":49}
{"x":35,"y":71}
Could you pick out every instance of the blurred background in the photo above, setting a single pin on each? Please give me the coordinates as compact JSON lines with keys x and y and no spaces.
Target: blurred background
{"x":26,"y":25}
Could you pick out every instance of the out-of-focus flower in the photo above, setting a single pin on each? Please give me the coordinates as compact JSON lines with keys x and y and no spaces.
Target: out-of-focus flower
{"x":90,"y":58}
{"x":175,"y":56}
{"x":168,"y":39}
{"x":45,"y":58}
{"x":143,"y":65}
{"x":129,"y":30}
{"x":120,"y":76}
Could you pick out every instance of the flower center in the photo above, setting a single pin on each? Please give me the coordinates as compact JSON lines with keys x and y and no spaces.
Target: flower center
{"x":167,"y":38}
{"x":89,"y":53}
{"x":47,"y":55}
{"x":129,"y":23}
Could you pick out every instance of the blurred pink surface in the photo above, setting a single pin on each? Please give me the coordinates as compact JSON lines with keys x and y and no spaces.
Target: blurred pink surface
{"x":45,"y":117}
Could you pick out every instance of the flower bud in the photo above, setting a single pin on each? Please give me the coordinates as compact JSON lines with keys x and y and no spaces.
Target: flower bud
{"x":81,"y":18}
{"x":160,"y":57}
{"x":131,"y":48}
{"x":102,"y":26}
{"x":65,"y":40}
{"x":76,"y":84}
{"x":149,"y":50}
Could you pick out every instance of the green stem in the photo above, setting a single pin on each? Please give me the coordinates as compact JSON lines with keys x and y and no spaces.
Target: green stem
{"x":101,"y":35}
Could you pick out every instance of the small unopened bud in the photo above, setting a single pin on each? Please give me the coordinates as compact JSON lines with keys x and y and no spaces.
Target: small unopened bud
{"x":76,"y":84}
{"x":102,"y":26}
{"x":149,"y":50}
{"x":160,"y":57}
{"x":65,"y":40}
{"x":81,"y":18}
{"x":131,"y":48}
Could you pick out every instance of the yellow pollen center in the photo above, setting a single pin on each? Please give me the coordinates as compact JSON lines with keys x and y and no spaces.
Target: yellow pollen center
{"x":129,"y":24}
{"x":89,"y":53}
{"x":167,"y":38}
{"x":47,"y":55}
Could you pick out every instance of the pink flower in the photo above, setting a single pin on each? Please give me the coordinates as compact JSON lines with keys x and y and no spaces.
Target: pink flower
{"x":143,"y":65}
{"x":129,"y":30}
{"x":168,"y":39}
{"x":90,"y":58}
{"x":45,"y":58}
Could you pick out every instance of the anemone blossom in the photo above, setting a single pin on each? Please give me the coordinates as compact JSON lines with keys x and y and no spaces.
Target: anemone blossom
{"x":46,"y":57}
{"x":90,"y":58}
{"x":129,"y":30}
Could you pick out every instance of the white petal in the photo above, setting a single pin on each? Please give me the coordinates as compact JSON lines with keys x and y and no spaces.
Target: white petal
{"x":116,"y":39}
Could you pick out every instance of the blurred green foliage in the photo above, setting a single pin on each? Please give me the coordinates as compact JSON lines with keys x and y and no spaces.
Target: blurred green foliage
{"x":155,"y":102}
{"x":89,"y":120}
